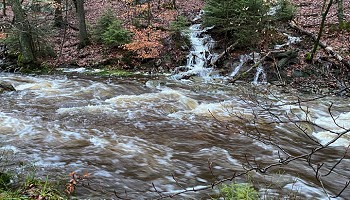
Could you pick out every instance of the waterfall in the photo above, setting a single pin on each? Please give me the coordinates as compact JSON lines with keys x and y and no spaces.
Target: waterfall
{"x":199,"y":57}
{"x":255,"y":58}
{"x":290,"y":40}
{"x":259,"y":71}
{"x":242,"y":60}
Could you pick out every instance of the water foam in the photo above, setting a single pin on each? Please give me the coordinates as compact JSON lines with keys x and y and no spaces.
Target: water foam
{"x":150,"y":100}
{"x":335,"y":126}
{"x":10,"y":125}
{"x":98,"y":141}
{"x":92,"y":109}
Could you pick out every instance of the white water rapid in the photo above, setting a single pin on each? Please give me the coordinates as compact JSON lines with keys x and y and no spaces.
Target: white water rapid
{"x":132,"y":132}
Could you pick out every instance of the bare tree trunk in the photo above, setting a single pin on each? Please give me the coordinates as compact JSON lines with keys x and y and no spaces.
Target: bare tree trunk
{"x":4,"y":7}
{"x":25,"y":36}
{"x":58,"y":14}
{"x":340,"y":13}
{"x":75,"y":5}
{"x":149,"y":14}
{"x":83,"y":35}
{"x":324,"y":16}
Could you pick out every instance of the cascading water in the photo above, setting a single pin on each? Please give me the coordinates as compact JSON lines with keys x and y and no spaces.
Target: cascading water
{"x":243,"y":59}
{"x":290,"y":40}
{"x":260,"y":75}
{"x":200,"y":56}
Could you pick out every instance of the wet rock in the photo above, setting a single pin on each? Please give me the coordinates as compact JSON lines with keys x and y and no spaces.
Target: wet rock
{"x":6,"y":87}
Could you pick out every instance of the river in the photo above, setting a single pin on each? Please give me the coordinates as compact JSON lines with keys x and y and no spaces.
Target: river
{"x":131,"y":132}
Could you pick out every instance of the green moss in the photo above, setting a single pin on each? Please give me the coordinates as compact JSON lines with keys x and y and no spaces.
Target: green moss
{"x":35,"y":68}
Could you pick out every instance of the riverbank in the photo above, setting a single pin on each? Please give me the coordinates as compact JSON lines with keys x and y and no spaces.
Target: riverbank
{"x":155,"y":50}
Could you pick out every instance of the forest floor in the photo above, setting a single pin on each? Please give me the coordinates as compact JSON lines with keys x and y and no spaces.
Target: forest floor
{"x":153,"y":48}
{"x":150,"y":40}
{"x":328,"y":71}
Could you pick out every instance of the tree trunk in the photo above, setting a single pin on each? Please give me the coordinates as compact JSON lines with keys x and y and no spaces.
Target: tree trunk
{"x":4,"y":7}
{"x":75,"y":5}
{"x":149,"y":14}
{"x":340,"y":13}
{"x":58,"y":14}
{"x":83,"y":35}
{"x":25,"y":36}
{"x":324,"y":16}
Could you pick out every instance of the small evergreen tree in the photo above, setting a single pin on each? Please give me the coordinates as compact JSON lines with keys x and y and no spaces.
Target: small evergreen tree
{"x":286,"y":11}
{"x":241,"y":19}
{"x":103,"y":22}
{"x":116,"y":35}
{"x":180,"y":25}
{"x":109,"y":30}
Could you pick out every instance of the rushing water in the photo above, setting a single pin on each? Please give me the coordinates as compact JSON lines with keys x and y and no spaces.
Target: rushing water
{"x":131,"y":132}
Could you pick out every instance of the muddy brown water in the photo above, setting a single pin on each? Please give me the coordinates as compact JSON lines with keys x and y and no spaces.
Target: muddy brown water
{"x":131,"y":132}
